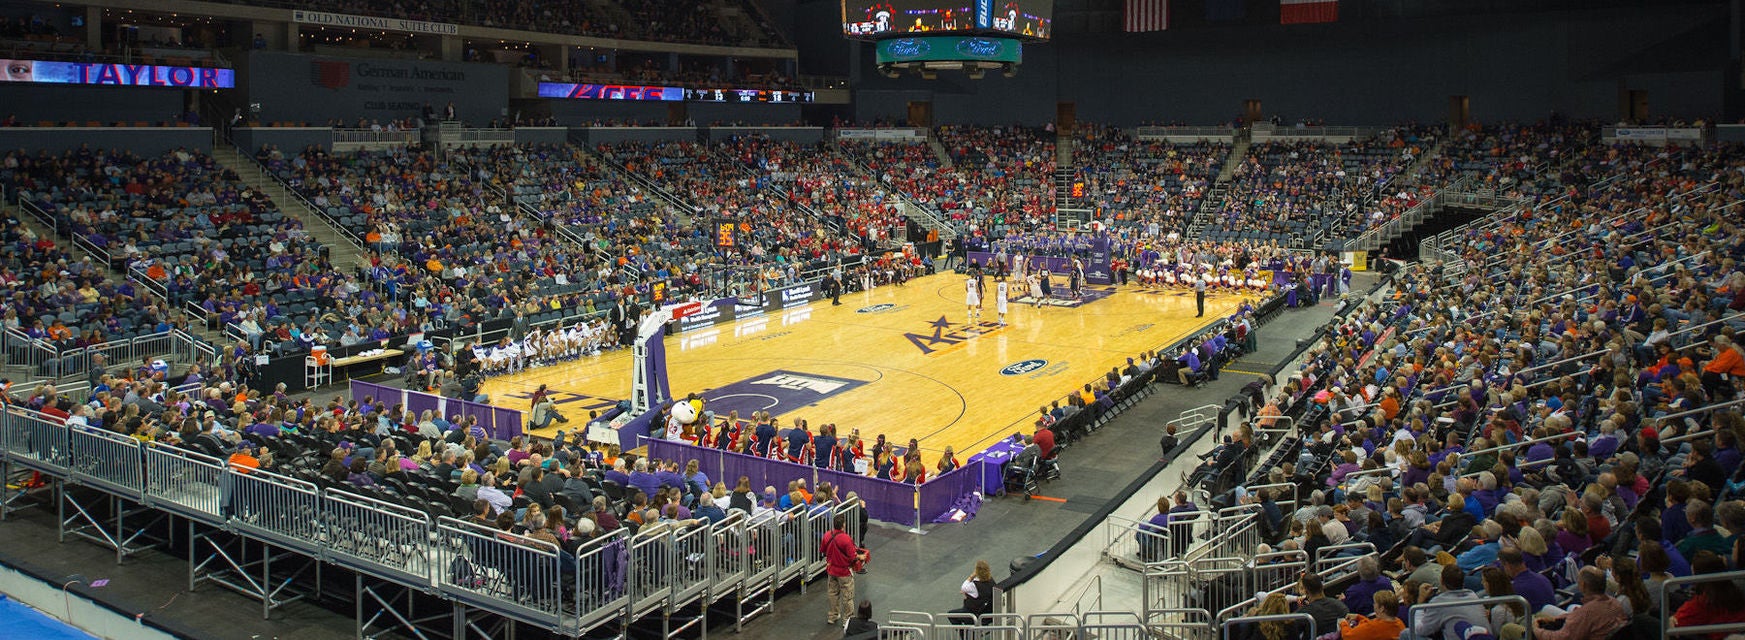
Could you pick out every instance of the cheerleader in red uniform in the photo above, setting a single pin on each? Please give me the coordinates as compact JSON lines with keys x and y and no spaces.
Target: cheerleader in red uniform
{"x":853,"y":451}
{"x":947,"y":463}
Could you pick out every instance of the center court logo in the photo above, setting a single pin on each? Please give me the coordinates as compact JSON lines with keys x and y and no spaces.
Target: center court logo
{"x":796,"y":382}
{"x":1023,"y":366}
{"x":885,"y":306}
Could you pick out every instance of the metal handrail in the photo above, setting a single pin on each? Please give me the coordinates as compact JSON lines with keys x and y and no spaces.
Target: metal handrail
{"x":1554,"y":363}
{"x":1225,"y":631}
{"x":1481,"y":603}
{"x":1700,"y":433}
{"x":1665,"y":618}
{"x":1736,"y":316}
{"x":1505,"y":447}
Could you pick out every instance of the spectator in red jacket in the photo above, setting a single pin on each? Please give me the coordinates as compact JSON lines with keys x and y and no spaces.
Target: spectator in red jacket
{"x":840,"y":556}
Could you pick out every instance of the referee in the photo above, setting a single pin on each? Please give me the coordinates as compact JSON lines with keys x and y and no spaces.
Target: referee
{"x":1200,"y":296}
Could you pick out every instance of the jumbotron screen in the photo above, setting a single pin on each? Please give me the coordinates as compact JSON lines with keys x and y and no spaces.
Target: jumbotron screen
{"x":1033,"y":18}
{"x":882,"y":17}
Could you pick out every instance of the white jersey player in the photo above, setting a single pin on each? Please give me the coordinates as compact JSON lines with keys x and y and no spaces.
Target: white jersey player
{"x":1000,"y":293}
{"x":972,"y":298}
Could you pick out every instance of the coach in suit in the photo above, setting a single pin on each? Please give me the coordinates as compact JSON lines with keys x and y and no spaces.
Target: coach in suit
{"x":623,"y":317}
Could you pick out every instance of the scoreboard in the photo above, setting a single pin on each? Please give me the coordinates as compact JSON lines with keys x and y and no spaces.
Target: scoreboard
{"x":772,"y":96}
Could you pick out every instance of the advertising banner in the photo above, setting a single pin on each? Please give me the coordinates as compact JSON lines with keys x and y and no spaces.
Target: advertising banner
{"x":790,"y":297}
{"x":299,"y":87}
{"x":1641,"y":134}
{"x":882,"y":135}
{"x":713,"y":313}
{"x":610,"y":92}
{"x":327,"y":19}
{"x":949,"y":49}
{"x":117,"y":75}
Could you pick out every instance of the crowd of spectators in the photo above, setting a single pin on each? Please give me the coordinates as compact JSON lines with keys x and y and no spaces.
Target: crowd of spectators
{"x":731,"y":181}
{"x":179,"y":222}
{"x":1140,"y":182}
{"x":999,"y":176}
{"x":1509,"y":157}
{"x":828,"y":184}
{"x":67,"y":300}
{"x":1297,"y":191}
{"x":1549,"y":417}
{"x":445,"y":248}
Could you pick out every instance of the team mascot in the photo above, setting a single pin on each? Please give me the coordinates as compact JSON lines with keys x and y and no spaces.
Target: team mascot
{"x":682,"y":415}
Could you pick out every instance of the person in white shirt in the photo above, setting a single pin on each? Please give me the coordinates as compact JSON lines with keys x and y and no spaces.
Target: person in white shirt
{"x":1000,"y":294}
{"x":972,"y":298}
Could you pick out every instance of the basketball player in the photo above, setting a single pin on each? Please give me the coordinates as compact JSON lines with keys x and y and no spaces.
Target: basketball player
{"x":1000,"y":294}
{"x":972,"y":298}
{"x":1035,"y":285}
{"x":1047,"y":286}
{"x":1076,"y":278}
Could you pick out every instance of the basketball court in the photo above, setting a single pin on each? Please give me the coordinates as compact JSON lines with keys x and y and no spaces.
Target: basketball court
{"x":902,"y":361}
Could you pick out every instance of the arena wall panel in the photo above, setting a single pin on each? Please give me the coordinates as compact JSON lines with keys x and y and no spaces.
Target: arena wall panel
{"x":35,"y":103}
{"x":1517,"y":66}
{"x":295,"y":87}
{"x":289,"y":140}
{"x":145,"y":141}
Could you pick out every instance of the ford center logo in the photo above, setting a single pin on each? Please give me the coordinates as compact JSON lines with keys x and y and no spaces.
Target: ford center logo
{"x":978,"y":47}
{"x":1022,"y":367}
{"x":886,"y":306}
{"x":908,"y":47}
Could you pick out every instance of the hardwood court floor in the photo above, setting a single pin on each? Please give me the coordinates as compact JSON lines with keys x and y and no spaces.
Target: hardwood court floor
{"x":901,"y":361}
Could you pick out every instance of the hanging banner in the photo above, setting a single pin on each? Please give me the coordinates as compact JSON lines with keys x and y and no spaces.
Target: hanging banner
{"x":326,"y":19}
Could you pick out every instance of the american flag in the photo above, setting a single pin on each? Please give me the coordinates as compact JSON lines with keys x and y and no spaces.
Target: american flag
{"x":1146,"y":15}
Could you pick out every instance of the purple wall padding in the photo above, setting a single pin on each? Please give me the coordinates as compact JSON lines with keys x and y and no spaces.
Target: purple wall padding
{"x":499,"y":422}
{"x":886,"y":501}
{"x":940,"y":493}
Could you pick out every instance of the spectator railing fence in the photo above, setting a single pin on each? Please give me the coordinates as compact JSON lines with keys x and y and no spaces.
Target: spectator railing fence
{"x":1667,"y":630}
{"x":510,"y":574}
{"x":1513,"y":445}
{"x":1167,"y":585}
{"x":1304,"y":618}
{"x":991,"y":626}
{"x":111,"y":463}
{"x":757,"y":593}
{"x":1334,"y":561}
{"x":1182,"y":623}
{"x":1223,"y":583}
{"x":49,"y":361}
{"x":1737,"y":317}
{"x":374,"y":137}
{"x":1483,"y":604}
{"x":1135,"y":544}
{"x":186,"y":484}
{"x":106,"y":460}
{"x":1697,"y":433}
{"x":377,"y":537}
{"x":1268,"y":573}
{"x":726,"y":558}
{"x":1238,"y":532}
{"x":652,"y":571}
